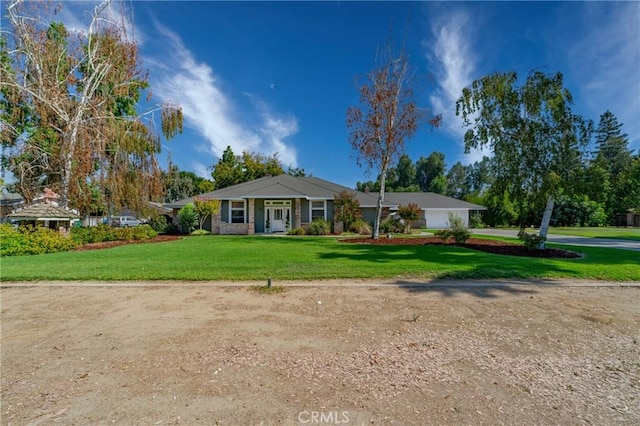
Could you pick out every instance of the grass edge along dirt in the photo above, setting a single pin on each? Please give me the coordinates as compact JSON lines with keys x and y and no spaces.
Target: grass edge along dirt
{"x":255,"y":258}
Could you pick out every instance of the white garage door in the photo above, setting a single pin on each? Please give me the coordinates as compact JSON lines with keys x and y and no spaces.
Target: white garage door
{"x":438,"y":219}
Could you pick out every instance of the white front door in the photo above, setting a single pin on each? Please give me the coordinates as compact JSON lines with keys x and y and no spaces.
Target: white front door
{"x":278,"y":220}
{"x":277,"y":215}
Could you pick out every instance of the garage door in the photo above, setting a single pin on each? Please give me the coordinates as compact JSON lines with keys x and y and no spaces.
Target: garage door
{"x":438,"y":219}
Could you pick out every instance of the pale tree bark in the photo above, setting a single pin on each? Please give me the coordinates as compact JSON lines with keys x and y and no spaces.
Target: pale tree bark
{"x":376,"y":225}
{"x":546,"y":220}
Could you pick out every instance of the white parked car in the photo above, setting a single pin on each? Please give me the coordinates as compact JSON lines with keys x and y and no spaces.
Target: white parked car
{"x":125,"y":221}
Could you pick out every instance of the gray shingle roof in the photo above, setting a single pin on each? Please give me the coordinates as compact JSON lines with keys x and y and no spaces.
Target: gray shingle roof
{"x":429,"y":200}
{"x":286,"y":186}
{"x":43,"y":212}
{"x":282,"y":186}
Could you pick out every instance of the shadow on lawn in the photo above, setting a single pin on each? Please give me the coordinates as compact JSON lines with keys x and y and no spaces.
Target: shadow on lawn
{"x":450,"y":261}
{"x":460,"y":269}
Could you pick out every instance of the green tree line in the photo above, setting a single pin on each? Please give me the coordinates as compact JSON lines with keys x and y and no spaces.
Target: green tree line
{"x":605,"y":182}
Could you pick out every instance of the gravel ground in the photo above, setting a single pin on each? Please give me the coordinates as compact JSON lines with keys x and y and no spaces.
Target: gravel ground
{"x":330,"y":354}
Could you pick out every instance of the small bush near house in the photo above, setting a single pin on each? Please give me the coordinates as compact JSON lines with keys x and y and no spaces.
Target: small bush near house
{"x":391,"y":226}
{"x":409,"y":214}
{"x":200,"y":232}
{"x":456,"y":231}
{"x":172,"y":229}
{"x":296,"y":231}
{"x":159,"y":224}
{"x":28,"y":240}
{"x":319,"y":227}
{"x":531,"y":241}
{"x":360,"y":226}
{"x":188,"y":218}
{"x":475,"y":221}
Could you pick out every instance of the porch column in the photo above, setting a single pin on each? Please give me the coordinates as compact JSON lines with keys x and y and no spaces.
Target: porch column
{"x":215,"y":222}
{"x":251,"y":226}
{"x":296,"y":222}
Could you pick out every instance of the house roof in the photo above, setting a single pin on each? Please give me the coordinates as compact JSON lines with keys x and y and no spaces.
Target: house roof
{"x":43,"y":212}
{"x":281,"y":186}
{"x":429,"y":200}
{"x":313,"y":188}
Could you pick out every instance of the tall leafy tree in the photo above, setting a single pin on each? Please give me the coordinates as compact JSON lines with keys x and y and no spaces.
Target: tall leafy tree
{"x":232,"y":169}
{"x":386,"y":117}
{"x":612,"y":146}
{"x":227,"y":171}
{"x":69,"y":110}
{"x":457,"y":180}
{"x":180,"y":184}
{"x":405,"y":172}
{"x":534,"y":135}
{"x":428,"y":168}
{"x":615,"y":158}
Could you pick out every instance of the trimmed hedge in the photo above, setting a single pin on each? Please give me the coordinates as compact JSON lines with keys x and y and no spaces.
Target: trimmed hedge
{"x":102,"y":233}
{"x":27,"y":240}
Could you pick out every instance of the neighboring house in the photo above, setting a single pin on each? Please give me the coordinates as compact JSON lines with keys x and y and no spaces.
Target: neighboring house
{"x":47,"y":215}
{"x":280,"y":203}
{"x":9,"y":202}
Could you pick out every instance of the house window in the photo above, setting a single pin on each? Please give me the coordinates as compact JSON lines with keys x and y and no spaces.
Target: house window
{"x":318,"y":210}
{"x":237,"y":212}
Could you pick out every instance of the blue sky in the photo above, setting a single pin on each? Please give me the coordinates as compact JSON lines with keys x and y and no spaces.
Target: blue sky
{"x":279,"y":76}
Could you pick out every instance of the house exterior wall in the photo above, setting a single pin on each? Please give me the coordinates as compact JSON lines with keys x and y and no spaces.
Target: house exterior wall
{"x":234,"y":228}
{"x":437,"y":219}
{"x":369,"y":214}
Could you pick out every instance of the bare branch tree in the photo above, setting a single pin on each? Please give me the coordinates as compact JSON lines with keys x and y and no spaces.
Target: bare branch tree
{"x":73,"y":97}
{"x":388,"y":115}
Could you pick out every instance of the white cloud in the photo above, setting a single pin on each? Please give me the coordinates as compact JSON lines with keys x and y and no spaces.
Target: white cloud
{"x":179,"y":77}
{"x":200,"y":169}
{"x":454,"y":63}
{"x":274,"y":130}
{"x":77,"y":15}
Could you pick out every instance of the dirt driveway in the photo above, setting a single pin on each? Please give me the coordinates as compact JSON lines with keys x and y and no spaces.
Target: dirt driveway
{"x":209,"y":355}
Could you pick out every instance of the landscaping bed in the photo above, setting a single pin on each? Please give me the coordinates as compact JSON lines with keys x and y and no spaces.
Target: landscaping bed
{"x":489,"y":246}
{"x":109,"y":244}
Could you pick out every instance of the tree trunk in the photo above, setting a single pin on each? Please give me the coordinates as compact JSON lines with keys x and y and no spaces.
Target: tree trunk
{"x":376,"y":225}
{"x":546,"y":219}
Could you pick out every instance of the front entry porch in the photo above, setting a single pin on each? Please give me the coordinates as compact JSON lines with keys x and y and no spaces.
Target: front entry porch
{"x":277,"y":216}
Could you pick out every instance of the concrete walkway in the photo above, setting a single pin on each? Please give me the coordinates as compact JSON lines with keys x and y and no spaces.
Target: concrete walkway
{"x":568,"y":239}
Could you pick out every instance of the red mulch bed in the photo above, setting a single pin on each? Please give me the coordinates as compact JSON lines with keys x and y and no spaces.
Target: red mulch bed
{"x":489,"y":246}
{"x":109,"y":244}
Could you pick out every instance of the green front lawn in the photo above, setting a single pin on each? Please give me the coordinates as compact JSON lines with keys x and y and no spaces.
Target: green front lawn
{"x":307,"y":258}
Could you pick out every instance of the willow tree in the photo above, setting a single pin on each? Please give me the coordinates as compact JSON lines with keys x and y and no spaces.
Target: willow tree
{"x":70,"y":118}
{"x":536,"y":140}
{"x":386,"y":118}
